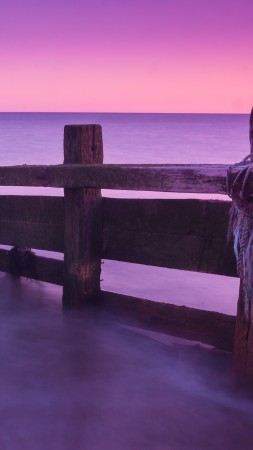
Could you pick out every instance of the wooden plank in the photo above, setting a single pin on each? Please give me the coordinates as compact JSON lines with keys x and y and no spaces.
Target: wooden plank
{"x":30,"y":208}
{"x":35,"y":222}
{"x":32,"y":235}
{"x":164,"y":178}
{"x":83,"y":219}
{"x":46,"y":269}
{"x":209,"y":327}
{"x":183,"y":234}
{"x":179,"y":234}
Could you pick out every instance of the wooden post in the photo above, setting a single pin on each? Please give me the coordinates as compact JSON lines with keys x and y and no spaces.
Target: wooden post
{"x":243,"y":342}
{"x":83,"y":219}
{"x":251,"y":133}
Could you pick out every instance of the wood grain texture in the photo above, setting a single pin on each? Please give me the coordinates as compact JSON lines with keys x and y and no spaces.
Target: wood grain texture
{"x":164,"y":178}
{"x":46,"y":269}
{"x":180,"y":234}
{"x":209,"y":327}
{"x":83,"y":219}
{"x":243,"y":342}
{"x":29,"y":221}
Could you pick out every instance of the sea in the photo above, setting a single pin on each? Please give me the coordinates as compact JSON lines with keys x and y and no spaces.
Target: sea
{"x":37,"y":138}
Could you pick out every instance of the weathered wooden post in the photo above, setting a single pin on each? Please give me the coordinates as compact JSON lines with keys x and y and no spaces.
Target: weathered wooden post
{"x":83,"y":219}
{"x":243,"y":342}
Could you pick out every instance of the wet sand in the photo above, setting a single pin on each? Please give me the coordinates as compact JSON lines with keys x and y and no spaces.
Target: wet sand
{"x":80,"y":380}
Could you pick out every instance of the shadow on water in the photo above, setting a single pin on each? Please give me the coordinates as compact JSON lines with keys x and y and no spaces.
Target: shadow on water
{"x":82,"y":380}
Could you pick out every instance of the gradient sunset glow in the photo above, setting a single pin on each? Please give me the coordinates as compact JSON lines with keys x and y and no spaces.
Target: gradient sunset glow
{"x":134,"y":56}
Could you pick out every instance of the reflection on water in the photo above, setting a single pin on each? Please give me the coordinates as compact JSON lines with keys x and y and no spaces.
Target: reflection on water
{"x":179,"y":287}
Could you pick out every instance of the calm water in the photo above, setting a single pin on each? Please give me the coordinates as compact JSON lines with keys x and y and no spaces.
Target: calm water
{"x":128,"y":138}
{"x":122,"y":394}
{"x":138,"y":138}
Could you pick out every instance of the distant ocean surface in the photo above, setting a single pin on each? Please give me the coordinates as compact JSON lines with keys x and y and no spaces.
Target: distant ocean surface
{"x":37,"y":138}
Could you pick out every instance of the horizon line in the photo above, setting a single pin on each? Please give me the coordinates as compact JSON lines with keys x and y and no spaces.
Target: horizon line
{"x":119,"y":112}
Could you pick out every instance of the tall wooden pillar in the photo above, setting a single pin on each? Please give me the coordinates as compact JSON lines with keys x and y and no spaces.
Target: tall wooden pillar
{"x":83,"y":219}
{"x":243,"y":342}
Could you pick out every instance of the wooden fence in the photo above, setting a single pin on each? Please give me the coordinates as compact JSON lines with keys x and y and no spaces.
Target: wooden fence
{"x":179,"y":234}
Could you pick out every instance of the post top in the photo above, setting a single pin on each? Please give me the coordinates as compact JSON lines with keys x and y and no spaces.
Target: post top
{"x":79,"y":125}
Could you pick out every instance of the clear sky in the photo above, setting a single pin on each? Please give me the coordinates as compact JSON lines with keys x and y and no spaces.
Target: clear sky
{"x":126,"y":55}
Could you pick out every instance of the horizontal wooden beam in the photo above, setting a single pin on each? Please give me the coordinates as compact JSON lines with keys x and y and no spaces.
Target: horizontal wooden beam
{"x":35,"y":222}
{"x":209,"y":327}
{"x":179,"y":234}
{"x":46,"y":269}
{"x":31,"y":208}
{"x":164,"y":178}
{"x":43,"y":236}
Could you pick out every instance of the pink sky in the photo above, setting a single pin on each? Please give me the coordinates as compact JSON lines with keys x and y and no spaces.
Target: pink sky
{"x":133,"y":56}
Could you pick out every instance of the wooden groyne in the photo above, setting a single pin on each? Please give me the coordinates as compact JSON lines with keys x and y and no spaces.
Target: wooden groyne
{"x":178,"y":234}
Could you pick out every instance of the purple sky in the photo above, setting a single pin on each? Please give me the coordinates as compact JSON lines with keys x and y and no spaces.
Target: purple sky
{"x":139,"y":55}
